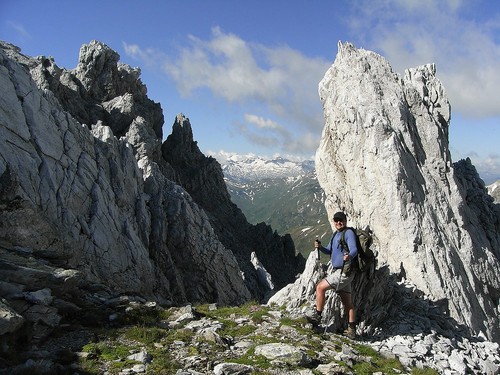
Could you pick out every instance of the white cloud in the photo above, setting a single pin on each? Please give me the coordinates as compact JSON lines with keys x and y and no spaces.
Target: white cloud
{"x":261,"y":122}
{"x":227,"y":66}
{"x":264,"y":132}
{"x":148,"y":56}
{"x":268,"y":139}
{"x":488,"y":167}
{"x":269,"y":133}
{"x":20,"y":29}
{"x":240,"y":71}
{"x":466,"y":52}
{"x":280,"y":81}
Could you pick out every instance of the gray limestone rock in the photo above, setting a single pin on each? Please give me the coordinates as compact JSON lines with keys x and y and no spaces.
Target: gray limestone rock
{"x":384,"y":160}
{"x":89,"y":204}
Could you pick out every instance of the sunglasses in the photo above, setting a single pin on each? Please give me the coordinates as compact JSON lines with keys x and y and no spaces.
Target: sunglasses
{"x":338,"y":220}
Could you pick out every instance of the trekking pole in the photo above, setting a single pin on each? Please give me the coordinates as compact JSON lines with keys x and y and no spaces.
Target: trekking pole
{"x":318,"y":267}
{"x":318,"y":260}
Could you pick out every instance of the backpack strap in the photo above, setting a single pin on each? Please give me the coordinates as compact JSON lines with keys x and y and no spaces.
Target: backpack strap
{"x":343,"y":242}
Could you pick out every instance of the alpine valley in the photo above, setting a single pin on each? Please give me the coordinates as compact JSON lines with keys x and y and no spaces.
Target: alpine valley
{"x":286,"y":195}
{"x":282,"y":193}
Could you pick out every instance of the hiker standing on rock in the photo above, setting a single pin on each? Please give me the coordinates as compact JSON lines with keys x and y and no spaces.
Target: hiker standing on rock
{"x":338,"y":276}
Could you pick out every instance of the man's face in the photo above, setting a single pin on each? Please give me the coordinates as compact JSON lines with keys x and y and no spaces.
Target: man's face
{"x":339,"y":224}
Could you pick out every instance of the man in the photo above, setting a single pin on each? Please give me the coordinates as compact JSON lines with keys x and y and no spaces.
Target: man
{"x":338,"y":277}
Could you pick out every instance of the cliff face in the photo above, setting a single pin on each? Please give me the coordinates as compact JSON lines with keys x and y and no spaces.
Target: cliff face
{"x":202,"y":177}
{"x":384,"y":159}
{"x":91,"y":200}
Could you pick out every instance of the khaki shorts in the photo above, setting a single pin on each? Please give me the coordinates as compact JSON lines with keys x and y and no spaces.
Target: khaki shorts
{"x":333,"y":279}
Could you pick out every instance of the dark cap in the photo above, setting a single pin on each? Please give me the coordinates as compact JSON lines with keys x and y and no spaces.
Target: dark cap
{"x":339,"y":216}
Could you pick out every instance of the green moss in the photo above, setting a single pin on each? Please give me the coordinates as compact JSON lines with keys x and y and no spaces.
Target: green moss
{"x":251,"y":310}
{"x":258,"y":313}
{"x":366,"y":350}
{"x":114,"y":352}
{"x":107,"y":350}
{"x":143,"y":316}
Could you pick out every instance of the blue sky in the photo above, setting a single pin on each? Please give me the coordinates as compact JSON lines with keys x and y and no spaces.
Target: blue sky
{"x":246,"y":73}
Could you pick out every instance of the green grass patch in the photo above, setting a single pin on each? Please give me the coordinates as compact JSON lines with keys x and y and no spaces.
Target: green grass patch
{"x":163,"y":363}
{"x":182,"y":334}
{"x":257,"y":361}
{"x":251,"y":310}
{"x":107,"y":350}
{"x":107,"y":353}
{"x":424,"y":371}
{"x":143,"y":330}
{"x":145,"y":335}
{"x":144,"y":316}
{"x":242,"y":330}
{"x":377,"y":363}
{"x":299,"y":324}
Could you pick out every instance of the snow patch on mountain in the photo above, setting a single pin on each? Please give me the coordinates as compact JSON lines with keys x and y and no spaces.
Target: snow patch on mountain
{"x":494,"y":191}
{"x":243,"y":168}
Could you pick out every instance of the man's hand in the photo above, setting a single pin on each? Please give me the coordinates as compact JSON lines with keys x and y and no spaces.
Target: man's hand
{"x":317,"y":244}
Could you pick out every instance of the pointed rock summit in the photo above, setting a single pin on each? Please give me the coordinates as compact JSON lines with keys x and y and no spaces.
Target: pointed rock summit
{"x":384,"y":160}
{"x":94,"y":207}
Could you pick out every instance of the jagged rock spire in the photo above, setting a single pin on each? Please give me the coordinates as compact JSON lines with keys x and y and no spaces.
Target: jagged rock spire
{"x":384,"y":159}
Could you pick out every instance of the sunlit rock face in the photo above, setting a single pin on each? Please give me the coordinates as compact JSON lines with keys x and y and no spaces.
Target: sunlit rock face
{"x":91,"y":201}
{"x":384,"y":160}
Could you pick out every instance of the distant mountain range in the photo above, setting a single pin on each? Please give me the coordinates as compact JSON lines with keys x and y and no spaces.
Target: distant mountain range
{"x":254,"y":168}
{"x":286,"y":195}
{"x":282,"y":193}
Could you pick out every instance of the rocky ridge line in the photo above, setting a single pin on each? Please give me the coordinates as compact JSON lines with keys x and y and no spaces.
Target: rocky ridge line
{"x":90,"y":205}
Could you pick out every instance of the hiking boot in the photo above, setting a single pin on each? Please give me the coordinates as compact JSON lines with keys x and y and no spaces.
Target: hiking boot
{"x":313,"y":317}
{"x":350,"y":333}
